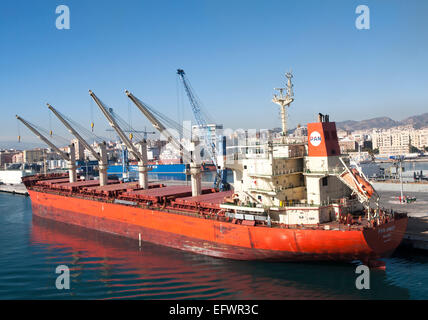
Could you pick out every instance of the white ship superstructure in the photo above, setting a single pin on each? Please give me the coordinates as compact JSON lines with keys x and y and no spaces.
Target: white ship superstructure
{"x":298,"y":183}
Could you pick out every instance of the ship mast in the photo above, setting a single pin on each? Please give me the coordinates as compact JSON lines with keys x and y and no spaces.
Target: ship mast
{"x":284,"y":101}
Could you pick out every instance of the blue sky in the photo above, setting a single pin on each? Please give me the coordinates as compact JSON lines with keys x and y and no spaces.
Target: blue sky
{"x":234,"y":53}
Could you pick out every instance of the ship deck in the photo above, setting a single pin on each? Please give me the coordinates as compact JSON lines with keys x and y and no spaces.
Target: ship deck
{"x":78,"y":185}
{"x":114,"y":189}
{"x":50,"y":182}
{"x":210,"y":200}
{"x":157,"y":195}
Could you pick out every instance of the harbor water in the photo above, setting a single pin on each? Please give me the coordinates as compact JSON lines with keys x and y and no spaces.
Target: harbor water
{"x":104,"y":266}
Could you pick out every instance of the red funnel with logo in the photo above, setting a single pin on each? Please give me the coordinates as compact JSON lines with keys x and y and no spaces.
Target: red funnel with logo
{"x":322,"y":139}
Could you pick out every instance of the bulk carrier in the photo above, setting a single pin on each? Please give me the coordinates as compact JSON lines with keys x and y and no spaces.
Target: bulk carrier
{"x":295,"y":201}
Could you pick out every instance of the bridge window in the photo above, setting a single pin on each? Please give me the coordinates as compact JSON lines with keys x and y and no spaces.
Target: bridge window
{"x":325,"y":181}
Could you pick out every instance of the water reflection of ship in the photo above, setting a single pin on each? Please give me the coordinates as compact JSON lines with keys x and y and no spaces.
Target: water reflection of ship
{"x":127,"y":270}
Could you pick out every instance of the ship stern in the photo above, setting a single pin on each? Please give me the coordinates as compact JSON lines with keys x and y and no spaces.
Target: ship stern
{"x":385,"y":238}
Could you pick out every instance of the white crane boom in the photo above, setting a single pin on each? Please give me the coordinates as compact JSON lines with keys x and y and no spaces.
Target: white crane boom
{"x":140,"y":154}
{"x":63,"y":155}
{"x":155,"y":122}
{"x":116,"y":127}
{"x":195,"y":168}
{"x":70,"y":158}
{"x":101,"y":157}
{"x":74,"y":132}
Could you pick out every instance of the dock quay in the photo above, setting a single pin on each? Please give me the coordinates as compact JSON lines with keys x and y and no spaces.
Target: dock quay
{"x":417,"y":228}
{"x":416,"y":235}
{"x":407,"y":187}
{"x":14,"y":189}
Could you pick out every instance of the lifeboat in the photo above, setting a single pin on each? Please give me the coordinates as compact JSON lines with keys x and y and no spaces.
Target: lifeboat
{"x":357,"y":182}
{"x":364,"y":186}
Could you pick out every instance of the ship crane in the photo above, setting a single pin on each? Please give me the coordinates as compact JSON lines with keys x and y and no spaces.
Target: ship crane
{"x":101,"y":157}
{"x":195,"y":168}
{"x":140,"y":154}
{"x":220,"y":179}
{"x":70,"y":157}
{"x":155,"y":122}
{"x":131,"y":131}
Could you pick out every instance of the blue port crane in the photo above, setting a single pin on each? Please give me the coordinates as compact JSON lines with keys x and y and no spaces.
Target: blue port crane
{"x":220,"y":181}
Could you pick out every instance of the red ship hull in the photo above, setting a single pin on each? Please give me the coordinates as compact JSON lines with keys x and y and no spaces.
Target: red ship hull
{"x":220,"y":239}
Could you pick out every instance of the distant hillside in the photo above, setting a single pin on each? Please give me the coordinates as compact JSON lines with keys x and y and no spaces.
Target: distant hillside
{"x":417,"y":122}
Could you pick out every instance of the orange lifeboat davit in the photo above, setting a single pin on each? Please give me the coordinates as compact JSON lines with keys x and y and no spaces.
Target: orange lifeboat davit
{"x":358,"y":183}
{"x":364,"y":186}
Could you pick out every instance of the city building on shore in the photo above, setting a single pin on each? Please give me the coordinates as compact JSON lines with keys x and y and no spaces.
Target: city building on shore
{"x":399,"y":140}
{"x":211,"y":130}
{"x":7,"y":156}
{"x":18,"y":157}
{"x":347,"y":144}
{"x":34,"y":155}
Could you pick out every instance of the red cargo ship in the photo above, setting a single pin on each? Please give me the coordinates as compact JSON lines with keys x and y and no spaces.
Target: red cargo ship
{"x":290,"y":201}
{"x":220,"y":224}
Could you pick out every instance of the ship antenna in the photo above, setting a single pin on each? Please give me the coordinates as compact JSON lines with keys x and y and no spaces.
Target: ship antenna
{"x":284,"y":101}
